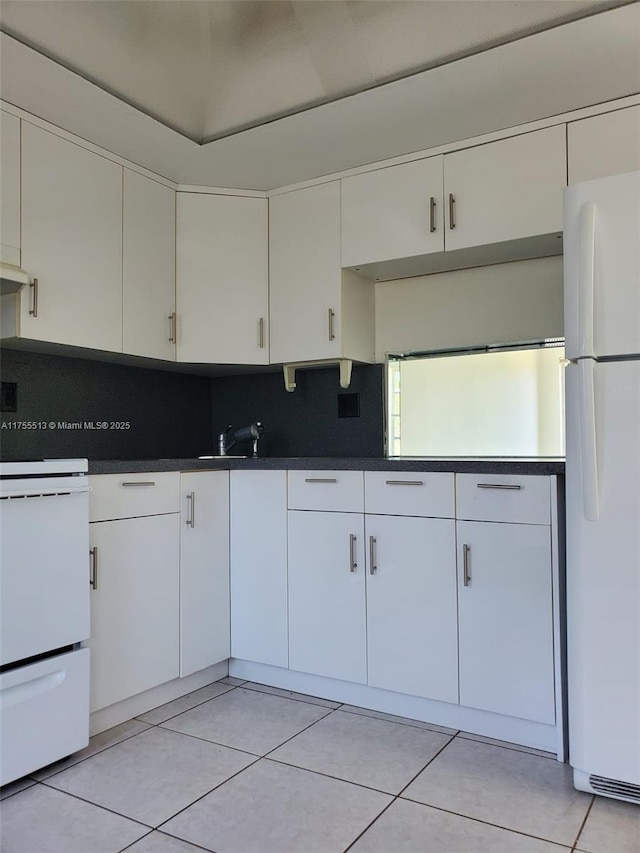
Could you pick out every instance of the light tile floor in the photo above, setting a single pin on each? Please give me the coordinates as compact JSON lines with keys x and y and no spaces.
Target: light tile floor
{"x":238,"y":767}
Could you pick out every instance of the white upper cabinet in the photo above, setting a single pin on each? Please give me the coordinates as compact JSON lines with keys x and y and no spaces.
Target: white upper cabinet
{"x":148,"y":268}
{"x":393,"y":213}
{"x":222,"y":279}
{"x":71,"y":242}
{"x":604,"y":145}
{"x":9,"y":189}
{"x":317,"y":311}
{"x":505,"y":190}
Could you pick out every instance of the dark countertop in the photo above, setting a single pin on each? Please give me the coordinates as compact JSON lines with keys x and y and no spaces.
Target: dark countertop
{"x":495,"y":465}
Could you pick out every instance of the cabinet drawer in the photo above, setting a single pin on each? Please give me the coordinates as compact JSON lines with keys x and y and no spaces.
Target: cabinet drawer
{"x":334,"y":491}
{"x":502,"y":497}
{"x":409,"y":493}
{"x":132,"y":495}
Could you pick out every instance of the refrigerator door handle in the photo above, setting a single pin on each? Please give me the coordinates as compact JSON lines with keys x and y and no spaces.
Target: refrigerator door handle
{"x":588,"y":440}
{"x":586,"y":278}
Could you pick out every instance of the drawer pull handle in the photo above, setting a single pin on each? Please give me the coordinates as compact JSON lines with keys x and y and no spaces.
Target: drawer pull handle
{"x":172,"y":327}
{"x":512,"y":487}
{"x":452,"y":211}
{"x":320,"y":480}
{"x":261,"y":333}
{"x":352,"y":553}
{"x":404,"y":482}
{"x":140,"y":483}
{"x":466,"y":563}
{"x":93,"y":577}
{"x":373,"y":565}
{"x":191,"y":514}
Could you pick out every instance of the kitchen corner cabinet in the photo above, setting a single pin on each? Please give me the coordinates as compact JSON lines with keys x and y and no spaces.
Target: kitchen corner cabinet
{"x":222,"y":286}
{"x":393,"y":213}
{"x":9,"y":188}
{"x":71,"y":243}
{"x":505,"y":190}
{"x":604,"y":145}
{"x":204,"y":569}
{"x":258,"y":525}
{"x":317,"y":310}
{"x":148,"y":268}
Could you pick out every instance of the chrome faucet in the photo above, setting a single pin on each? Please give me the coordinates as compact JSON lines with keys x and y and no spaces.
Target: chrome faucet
{"x":249,"y":433}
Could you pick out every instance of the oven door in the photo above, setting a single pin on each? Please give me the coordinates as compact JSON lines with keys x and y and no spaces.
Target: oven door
{"x":44,"y":568}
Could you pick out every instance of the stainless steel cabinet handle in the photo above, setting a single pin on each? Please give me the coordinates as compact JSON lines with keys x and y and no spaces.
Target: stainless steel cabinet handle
{"x":34,"y":309}
{"x":320,"y":480}
{"x":172,"y":327}
{"x":452,"y":211}
{"x":93,"y":577}
{"x":352,"y":553}
{"x":332,"y":317}
{"x":509,"y":486}
{"x":261,"y":332}
{"x":432,"y":214}
{"x":140,"y":483}
{"x":191,"y":515}
{"x":373,"y":566}
{"x":404,"y":482}
{"x":466,"y":564}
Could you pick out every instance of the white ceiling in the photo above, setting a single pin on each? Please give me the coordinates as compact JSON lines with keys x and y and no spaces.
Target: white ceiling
{"x":210,"y":69}
{"x":162,"y":57}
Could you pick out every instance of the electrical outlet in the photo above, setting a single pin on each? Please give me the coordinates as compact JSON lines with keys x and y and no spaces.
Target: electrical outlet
{"x":9,"y":397}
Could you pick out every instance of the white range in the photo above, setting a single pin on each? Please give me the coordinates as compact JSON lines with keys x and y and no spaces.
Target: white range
{"x":44,"y":612}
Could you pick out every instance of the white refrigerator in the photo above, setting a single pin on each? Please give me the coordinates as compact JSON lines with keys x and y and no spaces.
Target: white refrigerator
{"x":602,"y":330}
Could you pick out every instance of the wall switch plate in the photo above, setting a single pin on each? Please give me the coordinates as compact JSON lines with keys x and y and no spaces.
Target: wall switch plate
{"x":349,"y":405}
{"x":9,"y":397}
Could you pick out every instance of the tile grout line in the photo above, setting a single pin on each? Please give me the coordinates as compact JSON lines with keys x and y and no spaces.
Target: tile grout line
{"x":567,"y":847}
{"x":293,"y":698}
{"x":574,"y":846}
{"x":129,"y":846}
{"x":97,"y":806}
{"x":506,"y":745}
{"x":193,"y":843}
{"x":197,"y":705}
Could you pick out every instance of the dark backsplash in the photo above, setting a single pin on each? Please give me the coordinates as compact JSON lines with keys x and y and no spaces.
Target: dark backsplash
{"x":169,"y":413}
{"x":304,"y":422}
{"x":174,"y":415}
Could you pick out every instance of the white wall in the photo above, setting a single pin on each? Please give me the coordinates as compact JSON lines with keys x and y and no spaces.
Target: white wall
{"x":504,"y":303}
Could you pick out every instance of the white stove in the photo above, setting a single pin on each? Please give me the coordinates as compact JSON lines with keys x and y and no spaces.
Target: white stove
{"x":44,"y":613}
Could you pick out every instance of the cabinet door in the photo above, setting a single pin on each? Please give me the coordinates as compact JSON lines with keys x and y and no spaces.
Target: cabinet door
{"x":412,"y":626}
{"x":305,"y":277}
{"x":505,"y":619}
{"x":327,"y":617}
{"x":393,"y":213}
{"x":71,"y":242}
{"x":148,"y":268}
{"x":222,"y":279}
{"x":10,"y":188}
{"x":506,"y":190}
{"x":259,"y":629}
{"x":134,"y":607}
{"x":204,"y":570}
{"x":604,"y":145}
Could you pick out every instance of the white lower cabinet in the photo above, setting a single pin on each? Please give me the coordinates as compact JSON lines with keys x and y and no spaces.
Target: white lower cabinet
{"x":412,"y":641}
{"x":258,"y":525}
{"x":327,"y":611}
{"x":506,"y":619}
{"x":134,"y":606}
{"x":204,"y":569}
